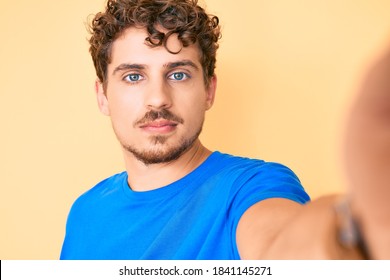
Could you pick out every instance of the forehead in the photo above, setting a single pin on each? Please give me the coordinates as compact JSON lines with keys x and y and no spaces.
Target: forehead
{"x":131,"y":47}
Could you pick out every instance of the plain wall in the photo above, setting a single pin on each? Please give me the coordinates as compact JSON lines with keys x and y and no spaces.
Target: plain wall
{"x":287,"y":73}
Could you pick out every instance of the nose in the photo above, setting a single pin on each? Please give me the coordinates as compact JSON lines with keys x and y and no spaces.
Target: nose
{"x":158,"y":96}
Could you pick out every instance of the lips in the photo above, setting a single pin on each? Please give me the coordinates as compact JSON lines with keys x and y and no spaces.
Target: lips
{"x":160,"y":126}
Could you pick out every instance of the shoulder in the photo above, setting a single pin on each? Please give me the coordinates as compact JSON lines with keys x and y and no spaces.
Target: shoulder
{"x":258,"y":179}
{"x":103,"y":190}
{"x":252,"y":166}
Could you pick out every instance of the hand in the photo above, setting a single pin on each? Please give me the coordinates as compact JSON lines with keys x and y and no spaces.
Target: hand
{"x":367,"y":159}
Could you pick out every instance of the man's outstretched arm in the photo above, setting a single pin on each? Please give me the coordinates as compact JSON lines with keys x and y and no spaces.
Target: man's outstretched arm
{"x":282,"y":229}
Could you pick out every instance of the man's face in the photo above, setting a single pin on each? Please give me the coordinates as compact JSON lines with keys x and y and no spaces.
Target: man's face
{"x":156,"y":100}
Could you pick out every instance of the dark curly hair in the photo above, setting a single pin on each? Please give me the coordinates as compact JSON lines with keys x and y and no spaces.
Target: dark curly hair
{"x":182,"y":17}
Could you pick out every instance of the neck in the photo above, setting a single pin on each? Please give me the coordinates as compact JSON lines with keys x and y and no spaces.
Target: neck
{"x":143,"y":177}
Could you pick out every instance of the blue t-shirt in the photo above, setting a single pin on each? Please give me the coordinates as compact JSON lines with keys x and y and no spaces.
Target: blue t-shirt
{"x":193,"y":218}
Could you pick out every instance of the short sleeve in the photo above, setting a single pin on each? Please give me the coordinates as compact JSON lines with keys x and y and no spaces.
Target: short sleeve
{"x":264,"y":181}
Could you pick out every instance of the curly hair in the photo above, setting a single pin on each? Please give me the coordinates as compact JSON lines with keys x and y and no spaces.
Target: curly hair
{"x":182,"y":17}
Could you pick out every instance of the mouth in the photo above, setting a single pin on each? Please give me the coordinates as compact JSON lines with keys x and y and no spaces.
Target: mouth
{"x":159,"y":126}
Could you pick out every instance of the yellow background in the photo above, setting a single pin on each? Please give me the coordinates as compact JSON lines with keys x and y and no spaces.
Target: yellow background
{"x":287,"y":72}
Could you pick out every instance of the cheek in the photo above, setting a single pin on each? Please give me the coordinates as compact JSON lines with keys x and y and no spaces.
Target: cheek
{"x":124,"y":104}
{"x":193,"y":97}
{"x":123,"y":116}
{"x":196,"y":108}
{"x":195,"y":117}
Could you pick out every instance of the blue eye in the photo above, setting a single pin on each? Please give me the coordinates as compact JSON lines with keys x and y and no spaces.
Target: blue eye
{"x":133,"y":77}
{"x":178,"y":76}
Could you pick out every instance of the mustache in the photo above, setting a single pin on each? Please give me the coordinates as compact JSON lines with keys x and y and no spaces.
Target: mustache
{"x":155,"y":115}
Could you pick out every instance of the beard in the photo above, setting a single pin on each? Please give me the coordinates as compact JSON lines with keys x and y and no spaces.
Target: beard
{"x":159,"y":151}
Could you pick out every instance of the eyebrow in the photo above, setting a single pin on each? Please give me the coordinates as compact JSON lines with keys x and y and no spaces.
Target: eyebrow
{"x":169,"y":66}
{"x":173,"y":65}
{"x":127,"y":66}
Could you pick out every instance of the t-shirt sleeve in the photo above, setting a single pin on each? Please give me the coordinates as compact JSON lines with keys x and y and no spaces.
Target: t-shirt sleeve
{"x":268,"y":180}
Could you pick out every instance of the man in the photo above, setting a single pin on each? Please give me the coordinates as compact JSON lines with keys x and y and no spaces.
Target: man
{"x":155,"y":62}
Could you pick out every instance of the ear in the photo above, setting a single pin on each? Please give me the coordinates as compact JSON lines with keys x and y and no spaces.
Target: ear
{"x":211,"y":89}
{"x":101,"y":98}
